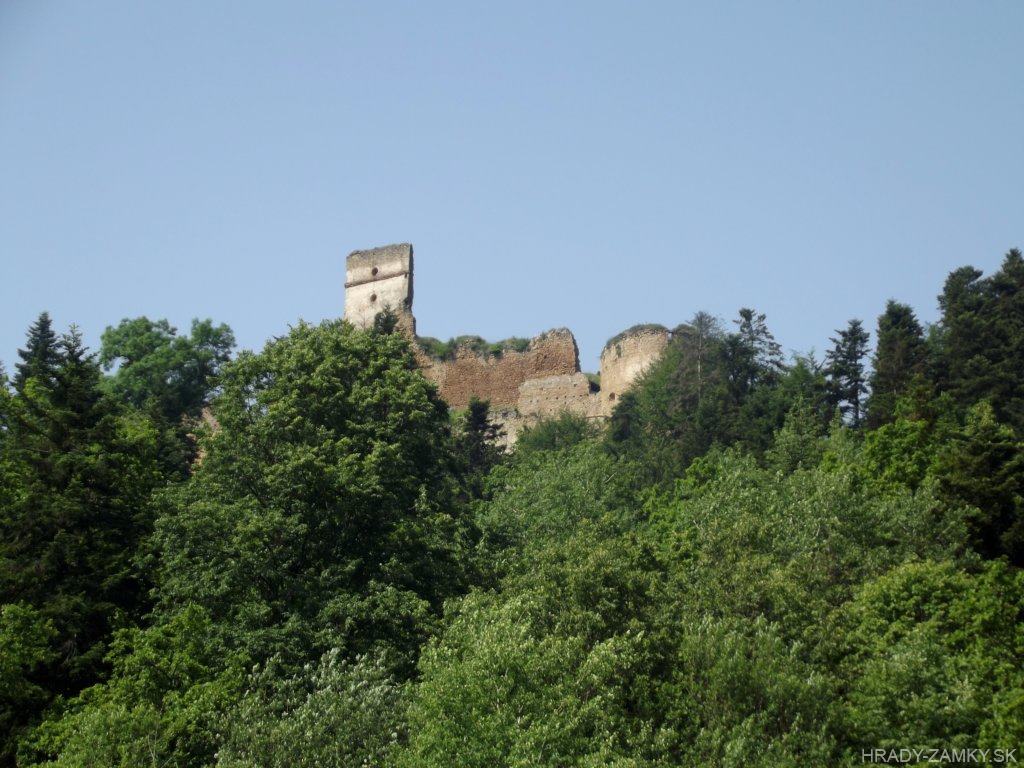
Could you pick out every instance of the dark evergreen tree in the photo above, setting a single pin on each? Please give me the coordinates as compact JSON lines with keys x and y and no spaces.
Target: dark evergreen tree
{"x":845,"y":371}
{"x":476,"y":445}
{"x":755,"y":356}
{"x":711,"y":388}
{"x":982,"y":338}
{"x":75,"y":478}
{"x":900,"y":359}
{"x":40,"y":356}
{"x":982,"y":465}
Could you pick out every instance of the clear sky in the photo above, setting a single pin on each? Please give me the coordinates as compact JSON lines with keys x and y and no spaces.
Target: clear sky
{"x":591,"y":165}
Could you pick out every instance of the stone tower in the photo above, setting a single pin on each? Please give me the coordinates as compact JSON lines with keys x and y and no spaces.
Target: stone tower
{"x":379,"y":279}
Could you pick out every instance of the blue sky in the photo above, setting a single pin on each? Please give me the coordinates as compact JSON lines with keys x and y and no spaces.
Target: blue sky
{"x":591,"y":165}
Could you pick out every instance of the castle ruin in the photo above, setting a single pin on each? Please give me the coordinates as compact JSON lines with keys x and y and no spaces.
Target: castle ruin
{"x":534,"y":380}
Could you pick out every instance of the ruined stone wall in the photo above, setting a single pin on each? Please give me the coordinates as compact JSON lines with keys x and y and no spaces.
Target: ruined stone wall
{"x":497,"y":378}
{"x":625,"y":357}
{"x":551,"y":395}
{"x":522,"y":387}
{"x":379,"y":279}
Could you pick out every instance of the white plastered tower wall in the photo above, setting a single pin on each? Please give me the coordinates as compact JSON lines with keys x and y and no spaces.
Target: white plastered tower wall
{"x":376,"y":280}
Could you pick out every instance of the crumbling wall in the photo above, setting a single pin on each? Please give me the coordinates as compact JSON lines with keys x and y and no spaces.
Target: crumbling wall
{"x":522,"y":386}
{"x":551,"y":395}
{"x":625,"y":357}
{"x":497,"y":378}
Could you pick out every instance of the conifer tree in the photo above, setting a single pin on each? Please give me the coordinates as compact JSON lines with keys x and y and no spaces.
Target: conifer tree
{"x":845,"y":369}
{"x":76,"y":471}
{"x":900,"y":358}
{"x":982,"y":338}
{"x":476,"y":445}
{"x":757,"y":356}
{"x":982,"y":465}
{"x":40,"y":355}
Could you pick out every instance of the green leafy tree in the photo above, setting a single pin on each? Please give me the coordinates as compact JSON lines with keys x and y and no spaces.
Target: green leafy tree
{"x":157,"y":368}
{"x":163,"y":704}
{"x":324,"y":515}
{"x":680,"y":405}
{"x":933,"y":655}
{"x":541,"y":497}
{"x":333,"y":714}
{"x":755,"y":357}
{"x":169,"y":377}
{"x":324,"y":502}
{"x":713,"y":389}
{"x":25,"y":647}
{"x":562,"y":431}
{"x":551,"y":670}
{"x":800,"y":444}
{"x":900,"y":358}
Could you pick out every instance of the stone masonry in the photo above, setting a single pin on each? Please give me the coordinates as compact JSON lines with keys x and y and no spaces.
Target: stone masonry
{"x":376,"y":280}
{"x":522,"y":387}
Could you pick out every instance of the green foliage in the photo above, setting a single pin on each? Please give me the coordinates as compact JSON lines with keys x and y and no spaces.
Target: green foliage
{"x":160,"y":707}
{"x":845,"y":363}
{"x":76,"y":475}
{"x":738,"y":572}
{"x":547,"y":671}
{"x":541,"y":497}
{"x":334,"y":714}
{"x":982,"y":465}
{"x":755,"y":542}
{"x":981,"y":342}
{"x":900,"y":453}
{"x":711,"y":388}
{"x":934,"y":655}
{"x":562,"y":431}
{"x":323,"y":512}
{"x":604,"y":648}
{"x":900,"y":359}
{"x":800,"y":444}
{"x":475,"y":446}
{"x":156,"y":367}
{"x":447,"y":350}
{"x":25,"y":646}
{"x":169,"y":377}
{"x":41,"y":355}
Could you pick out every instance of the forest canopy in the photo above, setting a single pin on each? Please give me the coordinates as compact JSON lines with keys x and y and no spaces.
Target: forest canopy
{"x":300,"y":557}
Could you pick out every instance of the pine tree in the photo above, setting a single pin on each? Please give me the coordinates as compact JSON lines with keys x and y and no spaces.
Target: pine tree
{"x":845,"y":369}
{"x":40,"y":356}
{"x":900,"y":359}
